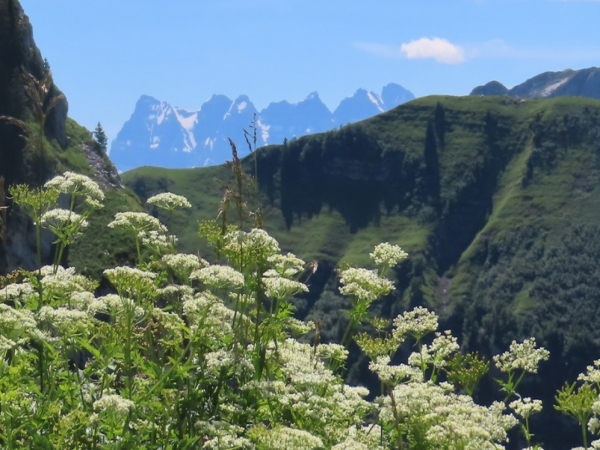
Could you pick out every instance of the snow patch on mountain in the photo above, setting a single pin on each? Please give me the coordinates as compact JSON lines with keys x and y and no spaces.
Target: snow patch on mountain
{"x":550,"y":89}
{"x":376,"y":100}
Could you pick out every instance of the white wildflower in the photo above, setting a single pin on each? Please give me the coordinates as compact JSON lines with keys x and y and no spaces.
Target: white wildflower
{"x":117,"y":306}
{"x":16,"y":291}
{"x":365,"y":285}
{"x":169,"y":321}
{"x":286,"y":265}
{"x":78,"y":185}
{"x":169,"y":201}
{"x":298,"y":327}
{"x":592,"y":374}
{"x":416,"y":323}
{"x":332,"y":351}
{"x":224,"y":359}
{"x":257,"y":245}
{"x":394,"y":374}
{"x":183,"y":262}
{"x":137,"y":221}
{"x":113,"y":402}
{"x":388,"y":255}
{"x":280,"y":288}
{"x":131,"y":280}
{"x":157,"y":241}
{"x":218,"y":277}
{"x":175,"y":289}
{"x":286,"y":438}
{"x":81,"y":300}
{"x":67,"y":321}
{"x":524,"y":356}
{"x":60,"y":219}
{"x":526,"y":407}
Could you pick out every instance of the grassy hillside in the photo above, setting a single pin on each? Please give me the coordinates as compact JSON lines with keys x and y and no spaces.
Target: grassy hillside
{"x":495,"y":199}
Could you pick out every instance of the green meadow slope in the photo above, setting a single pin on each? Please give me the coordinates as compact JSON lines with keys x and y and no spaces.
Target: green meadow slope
{"x":466,"y":185}
{"x":496,"y":200}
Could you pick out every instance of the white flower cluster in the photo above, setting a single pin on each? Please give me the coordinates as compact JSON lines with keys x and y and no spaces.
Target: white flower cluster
{"x":114,"y":403}
{"x":416,"y":323}
{"x":436,"y":354}
{"x":388,"y":255}
{"x":525,"y":407}
{"x":286,"y":265}
{"x":64,"y":282}
{"x":280,"y":288}
{"x":157,"y":241}
{"x":301,"y":366}
{"x":365,"y":285}
{"x":137,"y":221}
{"x":16,"y":291}
{"x":394,"y":374}
{"x":183,"y":262}
{"x":122,"y":274}
{"x":209,"y":316}
{"x":220,"y":435}
{"x":169,"y":201}
{"x":592,"y":373}
{"x":175,"y":289}
{"x":524,"y":356}
{"x":363,"y":438}
{"x":58,"y":219}
{"x":67,"y":321}
{"x":447,"y":417}
{"x":78,"y":185}
{"x":286,"y":438}
{"x":219,"y":277}
{"x":225,"y":359}
{"x":169,"y":321}
{"x":16,"y":326}
{"x":256,"y":244}
{"x":332,"y":352}
{"x":117,"y":306}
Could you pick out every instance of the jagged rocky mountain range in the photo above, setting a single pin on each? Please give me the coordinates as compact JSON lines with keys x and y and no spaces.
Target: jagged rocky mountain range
{"x":579,"y":83}
{"x":159,"y":134}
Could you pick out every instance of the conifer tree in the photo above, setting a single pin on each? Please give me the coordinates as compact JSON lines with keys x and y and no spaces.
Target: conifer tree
{"x":100,"y":137}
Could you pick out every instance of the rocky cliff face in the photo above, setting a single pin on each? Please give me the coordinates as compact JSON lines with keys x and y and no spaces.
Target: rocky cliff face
{"x":22,"y":67}
{"x":20,"y":56}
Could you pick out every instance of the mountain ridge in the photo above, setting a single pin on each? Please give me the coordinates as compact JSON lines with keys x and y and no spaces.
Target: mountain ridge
{"x":160,"y":134}
{"x":583,"y":83}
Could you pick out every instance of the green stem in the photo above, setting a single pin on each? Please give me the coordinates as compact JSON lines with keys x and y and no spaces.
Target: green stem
{"x":128,"y":372}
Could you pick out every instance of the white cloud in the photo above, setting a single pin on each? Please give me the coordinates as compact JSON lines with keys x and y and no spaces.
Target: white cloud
{"x":425,"y":48}
{"x":436,"y":48}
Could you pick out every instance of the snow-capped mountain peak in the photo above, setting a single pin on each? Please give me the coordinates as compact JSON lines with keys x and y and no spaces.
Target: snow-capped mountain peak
{"x":161,"y":135}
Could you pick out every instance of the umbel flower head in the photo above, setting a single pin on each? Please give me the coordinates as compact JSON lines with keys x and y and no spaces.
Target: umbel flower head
{"x":365,"y":285}
{"x":78,"y":185}
{"x":137,"y":221}
{"x":388,"y":255}
{"x":524,"y":356}
{"x":169,"y":201}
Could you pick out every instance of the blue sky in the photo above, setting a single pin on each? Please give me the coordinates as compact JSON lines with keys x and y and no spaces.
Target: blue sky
{"x":104,"y":54}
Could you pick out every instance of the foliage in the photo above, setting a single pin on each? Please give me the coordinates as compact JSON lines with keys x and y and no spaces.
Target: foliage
{"x":100,"y":137}
{"x":191,"y":355}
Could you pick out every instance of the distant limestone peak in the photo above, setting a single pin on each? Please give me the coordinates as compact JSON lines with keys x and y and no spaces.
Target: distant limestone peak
{"x":161,"y":135}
